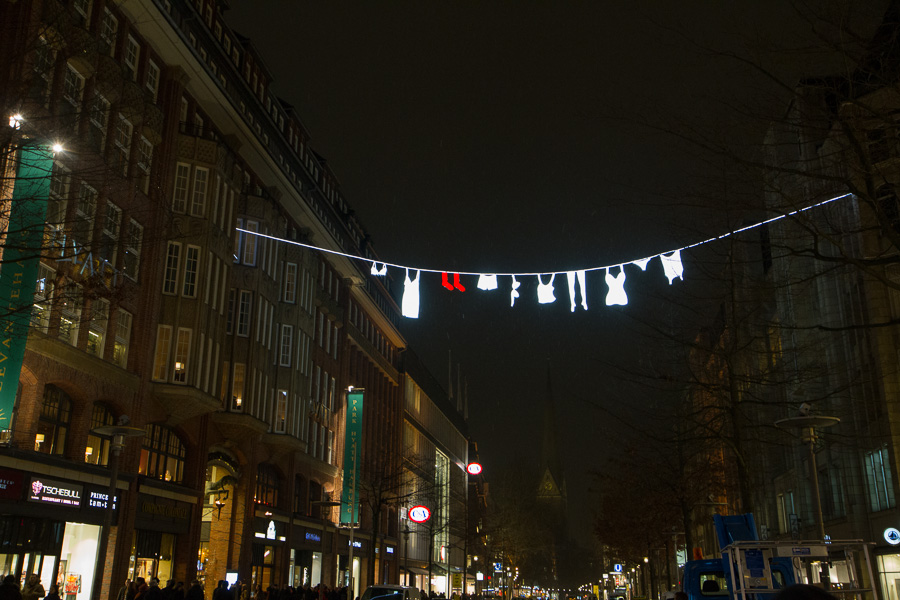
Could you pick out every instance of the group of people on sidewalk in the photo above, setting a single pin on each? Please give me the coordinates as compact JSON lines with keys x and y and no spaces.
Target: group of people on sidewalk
{"x":31,"y":590}
{"x":243,"y":591}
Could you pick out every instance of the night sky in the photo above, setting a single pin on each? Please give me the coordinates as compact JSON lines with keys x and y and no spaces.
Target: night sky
{"x":499,"y":136}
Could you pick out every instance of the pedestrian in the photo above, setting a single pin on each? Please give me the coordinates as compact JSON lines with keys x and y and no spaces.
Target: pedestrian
{"x":195,"y":592}
{"x":130,"y":589}
{"x":168,"y":592}
{"x":153,"y":591}
{"x":54,"y":592}
{"x":33,"y":589}
{"x":141,"y":589}
{"x":179,"y":590}
{"x":9,"y":589}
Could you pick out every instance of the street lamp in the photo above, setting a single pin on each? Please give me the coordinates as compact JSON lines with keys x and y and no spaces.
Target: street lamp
{"x":119,"y":433}
{"x":406,"y":532}
{"x":807,"y":425}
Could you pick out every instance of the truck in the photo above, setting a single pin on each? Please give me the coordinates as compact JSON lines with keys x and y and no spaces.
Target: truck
{"x":754,"y":569}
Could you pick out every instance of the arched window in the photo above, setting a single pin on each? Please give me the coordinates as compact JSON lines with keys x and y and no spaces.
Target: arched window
{"x":54,"y":421}
{"x":299,"y":495}
{"x":97,"y":450}
{"x":162,"y":454}
{"x":267,"y":484}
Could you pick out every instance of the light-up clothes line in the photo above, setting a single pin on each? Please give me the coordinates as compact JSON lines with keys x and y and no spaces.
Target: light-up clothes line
{"x":615,"y":280}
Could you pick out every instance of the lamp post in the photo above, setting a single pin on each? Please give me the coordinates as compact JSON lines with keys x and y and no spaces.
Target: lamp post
{"x":119,"y":433}
{"x":406,"y":533}
{"x":807,"y":425}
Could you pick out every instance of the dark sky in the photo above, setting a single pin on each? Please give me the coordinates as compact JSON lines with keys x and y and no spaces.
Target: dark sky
{"x":495,"y":136}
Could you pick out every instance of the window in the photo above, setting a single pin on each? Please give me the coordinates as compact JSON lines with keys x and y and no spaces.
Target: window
{"x":98,"y":114}
{"x":191,"y":264}
{"x":144,"y":160}
{"x":161,"y":355}
{"x":58,"y":200}
{"x":281,"y":398}
{"x":162,"y":454}
{"x":83,"y":227}
{"x":182,"y":354}
{"x":250,"y":240}
{"x":70,"y":313}
{"x":44,"y":58}
{"x":287,"y":343}
{"x":109,"y":235}
{"x":300,"y":493}
{"x":132,"y":54}
{"x":97,"y":450}
{"x":133,"y":249}
{"x":267,"y":484}
{"x":198,"y":199}
{"x":123,"y":337}
{"x":108,"y":30}
{"x":53,"y":424}
{"x":152,"y":80}
{"x":290,"y":283}
{"x":173,"y":257}
{"x":122,"y":144}
{"x":880,"y":480}
{"x":229,"y":314}
{"x":237,"y":386}
{"x":83,"y":10}
{"x":244,"y":307}
{"x":180,"y":197}
{"x":97,"y":330}
{"x":43,"y":291}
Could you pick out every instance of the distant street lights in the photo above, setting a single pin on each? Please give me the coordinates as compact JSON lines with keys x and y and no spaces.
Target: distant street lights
{"x":807,"y":425}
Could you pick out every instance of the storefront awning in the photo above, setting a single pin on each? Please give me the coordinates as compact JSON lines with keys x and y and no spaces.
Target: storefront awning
{"x":417,"y":570}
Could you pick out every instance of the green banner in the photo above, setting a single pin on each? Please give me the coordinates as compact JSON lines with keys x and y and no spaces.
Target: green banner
{"x":352,"y":457}
{"x":19,"y":269}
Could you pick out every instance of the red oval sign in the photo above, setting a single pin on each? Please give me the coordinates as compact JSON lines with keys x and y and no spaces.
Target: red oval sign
{"x":473,"y":468}
{"x":419,"y":514}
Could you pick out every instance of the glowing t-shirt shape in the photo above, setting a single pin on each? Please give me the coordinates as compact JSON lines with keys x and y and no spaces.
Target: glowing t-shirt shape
{"x":545,"y":290}
{"x":616,"y":283}
{"x":487,"y":282}
{"x":672,"y":266}
{"x":410,"y":306}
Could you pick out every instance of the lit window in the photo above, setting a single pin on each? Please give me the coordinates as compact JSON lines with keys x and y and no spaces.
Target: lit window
{"x":97,"y":330}
{"x":53,"y":424}
{"x":267,"y":485}
{"x":70,"y":313}
{"x":162,"y":454}
{"x":237,"y":387}
{"x":182,"y":354}
{"x":97,"y":450}
{"x":281,"y":400}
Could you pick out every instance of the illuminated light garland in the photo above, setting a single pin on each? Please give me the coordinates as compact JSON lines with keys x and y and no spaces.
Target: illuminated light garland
{"x":671,"y":261}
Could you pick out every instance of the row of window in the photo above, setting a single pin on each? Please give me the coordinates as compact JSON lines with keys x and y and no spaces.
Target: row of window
{"x":162,"y":451}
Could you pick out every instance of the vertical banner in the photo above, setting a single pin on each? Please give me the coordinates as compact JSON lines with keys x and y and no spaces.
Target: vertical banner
{"x":19,"y":269}
{"x":352,"y":453}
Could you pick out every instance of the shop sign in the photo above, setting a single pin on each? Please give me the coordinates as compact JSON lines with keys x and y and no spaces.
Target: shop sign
{"x":313,"y":537}
{"x":892,"y":536}
{"x":100,"y":500}
{"x":11,"y":483}
{"x":389,"y":549}
{"x":49,"y":491}
{"x":356,"y":543}
{"x":165,"y":510}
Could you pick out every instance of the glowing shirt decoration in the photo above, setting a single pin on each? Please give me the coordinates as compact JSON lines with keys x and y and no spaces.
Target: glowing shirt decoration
{"x":672,"y":266}
{"x":487,"y":282}
{"x":616,"y":283}
{"x":580,"y":276}
{"x":410,"y":306}
{"x":514,"y":292}
{"x":455,"y":285}
{"x":545,"y":290}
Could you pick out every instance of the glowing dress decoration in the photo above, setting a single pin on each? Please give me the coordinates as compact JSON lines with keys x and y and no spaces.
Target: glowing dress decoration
{"x":572,"y":276}
{"x":410,"y":306}
{"x":514,"y":292}
{"x":487,"y":282}
{"x":672,"y":266}
{"x":642,"y":263}
{"x":545,"y":290}
{"x":616,"y":283}
{"x":380,"y":272}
